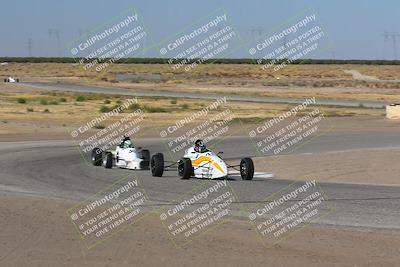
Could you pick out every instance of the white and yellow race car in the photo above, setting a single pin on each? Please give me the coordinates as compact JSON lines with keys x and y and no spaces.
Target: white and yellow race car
{"x":205,"y":164}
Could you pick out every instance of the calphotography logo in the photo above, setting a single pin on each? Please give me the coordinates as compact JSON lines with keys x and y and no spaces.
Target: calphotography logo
{"x":209,"y":124}
{"x":200,"y":210}
{"x":107,"y":131}
{"x":289,"y":130}
{"x":109,"y":211}
{"x":287,"y":210}
{"x":301,"y":38}
{"x":201,"y":42}
{"x":124,"y":37}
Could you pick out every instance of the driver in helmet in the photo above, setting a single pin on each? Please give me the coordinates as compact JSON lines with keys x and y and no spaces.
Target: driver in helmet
{"x":199,"y":146}
{"x":126,"y":142}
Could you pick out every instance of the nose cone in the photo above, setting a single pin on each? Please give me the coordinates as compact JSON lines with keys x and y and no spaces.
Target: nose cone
{"x":220,"y":168}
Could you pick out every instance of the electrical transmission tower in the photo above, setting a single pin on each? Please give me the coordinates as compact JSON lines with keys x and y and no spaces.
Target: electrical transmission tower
{"x":257,"y":31}
{"x":284,"y":40}
{"x":83,"y":34}
{"x":56,"y":33}
{"x":30,"y":47}
{"x":393,"y":37}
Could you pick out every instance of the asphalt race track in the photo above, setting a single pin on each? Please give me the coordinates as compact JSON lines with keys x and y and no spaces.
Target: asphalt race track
{"x":56,"y":169}
{"x":154,"y":93}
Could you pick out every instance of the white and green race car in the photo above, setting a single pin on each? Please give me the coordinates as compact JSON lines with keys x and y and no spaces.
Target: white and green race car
{"x":124,"y":156}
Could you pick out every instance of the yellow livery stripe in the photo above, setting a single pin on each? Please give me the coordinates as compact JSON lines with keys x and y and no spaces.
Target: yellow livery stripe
{"x":198,"y":161}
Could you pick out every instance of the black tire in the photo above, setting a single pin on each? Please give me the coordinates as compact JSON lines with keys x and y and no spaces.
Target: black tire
{"x":17,"y":80}
{"x":5,"y":80}
{"x":108,"y":160}
{"x":145,"y":154}
{"x":157,"y":165}
{"x":247,"y":169}
{"x":185,"y":169}
{"x":97,"y":156}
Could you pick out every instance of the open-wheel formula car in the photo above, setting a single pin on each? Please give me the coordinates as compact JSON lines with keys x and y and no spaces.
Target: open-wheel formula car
{"x":204,"y":164}
{"x":11,"y":80}
{"x":124,"y":156}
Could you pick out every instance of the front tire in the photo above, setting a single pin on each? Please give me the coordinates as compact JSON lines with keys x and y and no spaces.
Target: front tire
{"x":247,"y":169}
{"x":157,"y":165}
{"x":108,"y":160}
{"x":185,"y":168}
{"x":97,"y":157}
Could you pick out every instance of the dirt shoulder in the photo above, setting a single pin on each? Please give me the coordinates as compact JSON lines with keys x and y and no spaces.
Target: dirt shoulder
{"x":37,"y":232}
{"x":369,"y":166}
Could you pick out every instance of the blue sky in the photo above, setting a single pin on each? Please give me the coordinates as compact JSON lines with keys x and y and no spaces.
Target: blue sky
{"x":355,"y":28}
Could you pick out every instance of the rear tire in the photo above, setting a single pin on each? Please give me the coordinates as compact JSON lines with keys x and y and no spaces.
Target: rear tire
{"x":157,"y":164}
{"x":247,"y":169}
{"x":97,"y":157}
{"x":108,"y":160}
{"x":185,"y":168}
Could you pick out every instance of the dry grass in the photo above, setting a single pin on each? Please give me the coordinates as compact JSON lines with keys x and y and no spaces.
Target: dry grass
{"x":65,"y":112}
